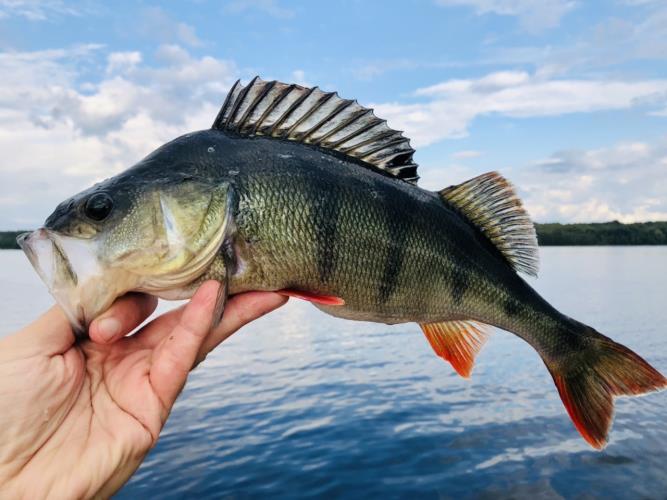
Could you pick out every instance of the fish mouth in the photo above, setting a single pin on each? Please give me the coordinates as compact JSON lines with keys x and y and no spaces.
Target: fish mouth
{"x":50,"y":257}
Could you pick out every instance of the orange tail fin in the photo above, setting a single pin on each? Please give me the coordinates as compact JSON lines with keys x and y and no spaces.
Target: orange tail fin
{"x":588,"y":382}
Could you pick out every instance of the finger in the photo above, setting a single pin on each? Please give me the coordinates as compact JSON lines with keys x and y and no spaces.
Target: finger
{"x":124,"y":315}
{"x":153,"y":333}
{"x":174,"y":357}
{"x":240,"y":310}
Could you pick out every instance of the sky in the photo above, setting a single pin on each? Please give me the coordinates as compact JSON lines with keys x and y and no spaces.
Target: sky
{"x":566,"y":98}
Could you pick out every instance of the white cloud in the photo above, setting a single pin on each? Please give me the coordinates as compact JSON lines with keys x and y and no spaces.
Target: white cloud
{"x":53,"y":126}
{"x":638,"y":35}
{"x":454,"y":104}
{"x":643,"y":36}
{"x":168,"y":93}
{"x":299,"y":77}
{"x":461,"y":155}
{"x":36,"y":10}
{"x":488,"y":83}
{"x":18,"y":67}
{"x":367,"y":70}
{"x":121,"y":62}
{"x":640,"y":2}
{"x":533,"y":15}
{"x":161,"y":26}
{"x":612,"y":41}
{"x":625,"y":182}
{"x":269,"y":7}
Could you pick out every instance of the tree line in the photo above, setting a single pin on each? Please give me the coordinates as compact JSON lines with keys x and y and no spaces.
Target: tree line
{"x":8,"y":239}
{"x":601,"y":233}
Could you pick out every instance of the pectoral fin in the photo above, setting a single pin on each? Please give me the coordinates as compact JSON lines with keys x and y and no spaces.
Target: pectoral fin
{"x":456,"y":341}
{"x":220,"y":302}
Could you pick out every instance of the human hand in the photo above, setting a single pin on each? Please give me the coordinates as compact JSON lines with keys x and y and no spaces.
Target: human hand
{"x":77,"y":419}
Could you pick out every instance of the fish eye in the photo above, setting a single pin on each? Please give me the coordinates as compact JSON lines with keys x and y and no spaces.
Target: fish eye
{"x":98,"y":207}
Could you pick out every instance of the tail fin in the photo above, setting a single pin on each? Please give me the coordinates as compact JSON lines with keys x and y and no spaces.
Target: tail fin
{"x":589,"y":380}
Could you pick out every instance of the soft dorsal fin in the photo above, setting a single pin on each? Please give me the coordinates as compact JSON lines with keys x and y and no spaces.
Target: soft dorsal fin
{"x":490,"y":203}
{"x":323,"y":119}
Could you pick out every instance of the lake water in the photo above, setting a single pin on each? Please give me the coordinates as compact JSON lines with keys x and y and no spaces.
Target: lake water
{"x":299,"y":404}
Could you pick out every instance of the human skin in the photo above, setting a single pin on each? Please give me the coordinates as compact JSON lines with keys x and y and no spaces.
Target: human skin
{"x":78,"y":418}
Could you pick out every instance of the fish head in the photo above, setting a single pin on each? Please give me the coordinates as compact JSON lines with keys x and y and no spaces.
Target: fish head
{"x":129,"y":233}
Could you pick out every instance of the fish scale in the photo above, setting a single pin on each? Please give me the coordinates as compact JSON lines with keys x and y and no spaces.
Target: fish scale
{"x":394,"y":247}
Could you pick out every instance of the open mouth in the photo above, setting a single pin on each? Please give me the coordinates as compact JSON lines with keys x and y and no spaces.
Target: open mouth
{"x":46,"y":254}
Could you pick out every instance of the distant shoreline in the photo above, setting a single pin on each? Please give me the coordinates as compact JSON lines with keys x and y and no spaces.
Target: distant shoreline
{"x":602,"y":233}
{"x":552,"y":234}
{"x":8,"y":239}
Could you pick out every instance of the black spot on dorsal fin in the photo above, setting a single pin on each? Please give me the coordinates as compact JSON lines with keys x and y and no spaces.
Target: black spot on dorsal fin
{"x":312,"y":116}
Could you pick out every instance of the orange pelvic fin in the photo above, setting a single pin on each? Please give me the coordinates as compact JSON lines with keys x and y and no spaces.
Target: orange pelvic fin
{"x":456,"y":341}
{"x":327,"y":300}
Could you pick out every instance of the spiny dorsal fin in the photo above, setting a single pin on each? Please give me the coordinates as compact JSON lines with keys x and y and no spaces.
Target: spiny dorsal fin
{"x":490,"y":203}
{"x":456,"y":341}
{"x":323,"y":119}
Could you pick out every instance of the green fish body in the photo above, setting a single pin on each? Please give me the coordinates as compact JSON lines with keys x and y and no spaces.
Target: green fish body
{"x":393,"y":252}
{"x":299,"y":191}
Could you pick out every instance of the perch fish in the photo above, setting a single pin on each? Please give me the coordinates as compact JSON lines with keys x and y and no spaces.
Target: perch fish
{"x":297,"y":190}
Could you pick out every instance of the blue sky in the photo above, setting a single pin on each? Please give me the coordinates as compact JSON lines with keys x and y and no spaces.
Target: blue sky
{"x":567,"y":98}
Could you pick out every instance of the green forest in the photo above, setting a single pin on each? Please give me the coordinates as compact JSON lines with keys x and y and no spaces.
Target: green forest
{"x":602,"y":233}
{"x":8,"y":239}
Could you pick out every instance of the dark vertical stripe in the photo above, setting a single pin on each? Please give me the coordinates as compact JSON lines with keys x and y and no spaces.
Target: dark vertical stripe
{"x":511,"y":307}
{"x":326,"y":208}
{"x":459,"y":282}
{"x":397,"y":224}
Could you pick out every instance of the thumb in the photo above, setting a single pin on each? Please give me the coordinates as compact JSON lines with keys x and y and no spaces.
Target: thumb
{"x":124,"y":315}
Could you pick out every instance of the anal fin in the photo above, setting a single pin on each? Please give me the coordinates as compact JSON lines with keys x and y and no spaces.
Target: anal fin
{"x":456,"y":341}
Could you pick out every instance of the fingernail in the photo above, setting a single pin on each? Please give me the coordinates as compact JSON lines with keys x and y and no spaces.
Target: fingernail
{"x":108,"y":328}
